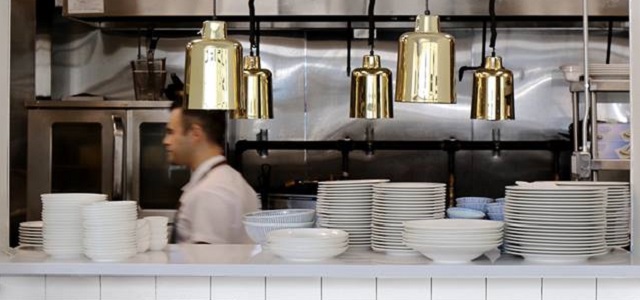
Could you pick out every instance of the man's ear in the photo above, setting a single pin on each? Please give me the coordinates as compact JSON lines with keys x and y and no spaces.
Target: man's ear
{"x":196,"y":132}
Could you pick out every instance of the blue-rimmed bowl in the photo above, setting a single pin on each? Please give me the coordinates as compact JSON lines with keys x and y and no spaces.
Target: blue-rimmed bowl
{"x":496,"y":216}
{"x":495,"y":208}
{"x":464,"y":213}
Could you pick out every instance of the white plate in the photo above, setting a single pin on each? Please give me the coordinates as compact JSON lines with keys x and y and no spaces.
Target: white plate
{"x":410,"y":185}
{"x":366,"y":182}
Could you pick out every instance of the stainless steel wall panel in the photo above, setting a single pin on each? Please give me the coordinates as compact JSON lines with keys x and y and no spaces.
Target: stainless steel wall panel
{"x":357,"y":7}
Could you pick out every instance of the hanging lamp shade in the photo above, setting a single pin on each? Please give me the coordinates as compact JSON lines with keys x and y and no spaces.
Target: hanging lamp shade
{"x":213,"y":70}
{"x":426,"y":60}
{"x":371,"y":96}
{"x":257,"y":91}
{"x":493,"y":96}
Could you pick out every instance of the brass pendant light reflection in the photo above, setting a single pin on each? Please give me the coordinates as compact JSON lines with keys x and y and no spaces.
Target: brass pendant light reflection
{"x":426,"y":60}
{"x":213,"y":70}
{"x":257,"y":93}
{"x":371,"y":90}
{"x":493,"y":96}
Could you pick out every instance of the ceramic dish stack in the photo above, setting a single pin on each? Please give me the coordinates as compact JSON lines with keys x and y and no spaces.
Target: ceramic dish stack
{"x":347,"y":205}
{"x":62,"y":222}
{"x":30,"y":234}
{"x":547,"y":223}
{"x":453,"y":240}
{"x":618,"y":210}
{"x":110,"y":230}
{"x":308,"y":244}
{"x":397,"y":202}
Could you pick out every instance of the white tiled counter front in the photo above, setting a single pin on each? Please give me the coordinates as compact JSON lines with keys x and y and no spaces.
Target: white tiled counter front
{"x":234,"y":272}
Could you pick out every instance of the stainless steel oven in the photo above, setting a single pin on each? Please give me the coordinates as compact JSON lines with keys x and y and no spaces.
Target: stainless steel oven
{"x":111,"y":147}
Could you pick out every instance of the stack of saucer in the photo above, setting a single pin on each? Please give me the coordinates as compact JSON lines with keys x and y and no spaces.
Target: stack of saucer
{"x":397,"y":202}
{"x":143,"y":235}
{"x":110,"y":230}
{"x":62,"y":222}
{"x":346,"y":205}
{"x":30,"y":233}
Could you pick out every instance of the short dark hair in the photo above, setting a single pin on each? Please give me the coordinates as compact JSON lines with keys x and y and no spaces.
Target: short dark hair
{"x":213,"y":122}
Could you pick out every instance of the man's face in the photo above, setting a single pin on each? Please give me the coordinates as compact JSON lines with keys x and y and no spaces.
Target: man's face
{"x":177,"y":140}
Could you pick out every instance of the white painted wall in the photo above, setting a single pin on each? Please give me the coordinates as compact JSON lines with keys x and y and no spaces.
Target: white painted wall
{"x":5,"y":46}
{"x":634,"y":60}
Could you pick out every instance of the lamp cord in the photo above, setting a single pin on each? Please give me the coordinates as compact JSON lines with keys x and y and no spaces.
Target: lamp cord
{"x":372,"y":25}
{"x":494,"y":31}
{"x":426,"y":8}
{"x":252,"y":26}
{"x":215,"y":10}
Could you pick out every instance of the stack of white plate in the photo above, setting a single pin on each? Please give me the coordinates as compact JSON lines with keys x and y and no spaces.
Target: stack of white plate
{"x":397,"y":202}
{"x":618,"y":210}
{"x":555,"y":224}
{"x":453,"y":240}
{"x":110,"y":230}
{"x":62,"y":222}
{"x":30,"y":233}
{"x":308,"y":244}
{"x":347,"y":205}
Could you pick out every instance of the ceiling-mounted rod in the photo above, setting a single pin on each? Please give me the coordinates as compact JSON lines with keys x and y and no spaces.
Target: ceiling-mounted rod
{"x":426,"y":8}
{"x":494,"y":30}
{"x":587,"y":81}
{"x":372,"y":25}
{"x":215,"y":9}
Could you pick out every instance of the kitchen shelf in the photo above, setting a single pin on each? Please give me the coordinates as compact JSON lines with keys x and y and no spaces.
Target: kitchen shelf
{"x":116,"y":104}
{"x":602,"y":86}
{"x":251,"y":261}
{"x":611,"y":164}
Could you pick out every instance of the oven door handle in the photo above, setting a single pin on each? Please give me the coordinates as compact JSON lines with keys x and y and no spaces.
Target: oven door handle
{"x":118,"y":158}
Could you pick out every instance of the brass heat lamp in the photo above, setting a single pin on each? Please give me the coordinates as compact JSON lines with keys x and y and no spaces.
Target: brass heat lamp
{"x":213,"y":70}
{"x":256,"y":101}
{"x":257,"y":92}
{"x":493,"y":85}
{"x":371,"y":90}
{"x":493,"y":96}
{"x":426,"y":60}
{"x":371,"y":95}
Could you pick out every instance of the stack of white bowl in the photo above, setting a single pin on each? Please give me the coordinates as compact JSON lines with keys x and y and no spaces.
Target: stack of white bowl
{"x":308,"y":244}
{"x":547,"y":223}
{"x":397,"y":202}
{"x":110,"y":230}
{"x":618,"y":210}
{"x":258,"y":224}
{"x":30,"y":233}
{"x":143,"y":235}
{"x":62,"y":222}
{"x":453,"y":240}
{"x":346,"y":205}
{"x":158,"y":227}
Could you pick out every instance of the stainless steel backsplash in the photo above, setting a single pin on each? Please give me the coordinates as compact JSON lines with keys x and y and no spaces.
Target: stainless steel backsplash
{"x":311,"y":91}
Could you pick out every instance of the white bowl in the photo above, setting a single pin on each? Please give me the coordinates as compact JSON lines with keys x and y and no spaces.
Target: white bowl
{"x":307,"y":246}
{"x":310,"y":234}
{"x":462,"y":225}
{"x":281,"y":216}
{"x":299,"y":255}
{"x":258,"y":232}
{"x":453,"y":254}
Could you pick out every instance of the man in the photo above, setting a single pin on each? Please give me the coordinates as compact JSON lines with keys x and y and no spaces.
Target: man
{"x":216,"y":197}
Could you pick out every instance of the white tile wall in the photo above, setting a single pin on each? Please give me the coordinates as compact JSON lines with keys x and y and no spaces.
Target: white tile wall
{"x":183,"y":288}
{"x":22,"y":288}
{"x":293,"y":288}
{"x":404,"y":289}
{"x":514,"y":289}
{"x":127,"y":288}
{"x":348,"y":289}
{"x":458,"y":289}
{"x":568,"y":289}
{"x":236,"y":288}
{"x":72,"y":288}
{"x":619,"y":288}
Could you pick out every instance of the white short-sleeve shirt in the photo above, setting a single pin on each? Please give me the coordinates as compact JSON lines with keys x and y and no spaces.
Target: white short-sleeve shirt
{"x":212,"y":205}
